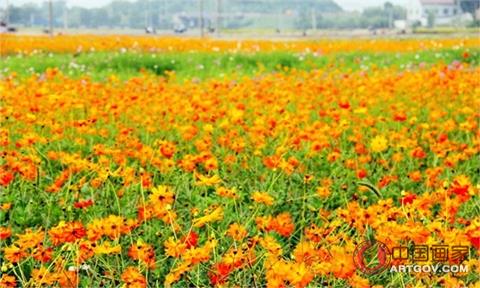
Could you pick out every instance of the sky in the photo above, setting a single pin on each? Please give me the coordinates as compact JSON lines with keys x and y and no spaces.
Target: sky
{"x":350,"y":5}
{"x":345,"y":4}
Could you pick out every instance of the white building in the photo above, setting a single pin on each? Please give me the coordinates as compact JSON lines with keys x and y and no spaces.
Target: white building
{"x":444,"y":12}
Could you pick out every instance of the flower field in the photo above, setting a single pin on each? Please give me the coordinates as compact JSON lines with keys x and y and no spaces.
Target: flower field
{"x":273,"y":178}
{"x":75,"y":43}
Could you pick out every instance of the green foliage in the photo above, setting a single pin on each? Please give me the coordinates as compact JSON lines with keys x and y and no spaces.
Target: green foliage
{"x":474,"y":24}
{"x":431,"y":19}
{"x":373,"y":17}
{"x":470,"y":6}
{"x":100,"y":65}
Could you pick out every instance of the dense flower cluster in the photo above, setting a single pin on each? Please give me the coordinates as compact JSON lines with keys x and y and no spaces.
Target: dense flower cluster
{"x":84,"y":43}
{"x":271,"y":180}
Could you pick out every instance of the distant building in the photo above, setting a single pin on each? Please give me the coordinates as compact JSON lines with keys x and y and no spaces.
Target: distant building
{"x":443,"y":12}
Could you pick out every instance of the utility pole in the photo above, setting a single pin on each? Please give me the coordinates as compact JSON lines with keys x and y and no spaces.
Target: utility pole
{"x":50,"y":17}
{"x":146,"y":19}
{"x":164,"y":13}
{"x":146,"y":15}
{"x":218,"y":23}
{"x":390,"y":18}
{"x":279,"y":18}
{"x":314,"y":21}
{"x":65,"y":18}
{"x":388,"y":7}
{"x":7,"y":13}
{"x":201,"y":18}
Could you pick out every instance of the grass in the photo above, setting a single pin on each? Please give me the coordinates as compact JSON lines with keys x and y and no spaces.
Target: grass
{"x":100,"y":65}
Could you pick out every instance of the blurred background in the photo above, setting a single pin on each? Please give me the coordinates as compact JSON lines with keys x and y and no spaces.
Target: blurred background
{"x":224,"y":18}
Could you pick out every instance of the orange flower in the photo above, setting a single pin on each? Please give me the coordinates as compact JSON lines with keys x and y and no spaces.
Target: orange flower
{"x":323,"y":192}
{"x":43,"y":255}
{"x":133,"y":278}
{"x":14,"y":254}
{"x":299,"y":275}
{"x":283,"y":224}
{"x":43,"y":277}
{"x":6,"y":178}
{"x":271,"y":162}
{"x":167,"y":149}
{"x":357,"y":281}
{"x":174,"y":248}
{"x":5,"y":232}
{"x":461,"y":187}
{"x":220,"y":273}
{"x":418,"y":153}
{"x":342,"y":264}
{"x":86,"y":250}
{"x":112,"y":226}
{"x":237,"y":231}
{"x":415,"y":176}
{"x":66,"y":232}
{"x":305,"y":252}
{"x":68,"y":279}
{"x":143,"y":252}
{"x":400,"y":116}
{"x":315,"y":233}
{"x":191,"y":239}
{"x":226,"y":192}
{"x":83,"y":204}
{"x":8,"y":281}
{"x":30,"y":239}
{"x":211,"y":164}
{"x":361,"y":173}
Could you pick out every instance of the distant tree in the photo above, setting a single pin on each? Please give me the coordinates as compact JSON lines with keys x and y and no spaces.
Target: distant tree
{"x":25,"y":14}
{"x":470,"y":6}
{"x":305,"y":8}
{"x":388,"y":8}
{"x":382,"y":17}
{"x":430,"y":19}
{"x":159,"y":13}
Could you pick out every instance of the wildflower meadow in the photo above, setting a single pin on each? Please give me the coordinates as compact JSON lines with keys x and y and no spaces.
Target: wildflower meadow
{"x":173,"y":162}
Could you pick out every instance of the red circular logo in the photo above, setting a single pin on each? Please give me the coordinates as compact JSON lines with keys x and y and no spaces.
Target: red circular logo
{"x":371,"y":257}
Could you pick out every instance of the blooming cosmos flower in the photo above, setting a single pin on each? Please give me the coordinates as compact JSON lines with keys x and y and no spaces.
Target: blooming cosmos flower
{"x":379,"y":144}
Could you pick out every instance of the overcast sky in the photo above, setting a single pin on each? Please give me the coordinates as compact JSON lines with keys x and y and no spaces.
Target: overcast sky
{"x":346,"y":4}
{"x":360,"y":4}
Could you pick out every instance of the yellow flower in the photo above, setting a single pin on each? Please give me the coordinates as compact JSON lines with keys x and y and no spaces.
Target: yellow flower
{"x":202,"y":180}
{"x":216,"y":215}
{"x":162,"y":195}
{"x":6,"y":206}
{"x":174,"y":248}
{"x":262,"y":197}
{"x":106,"y":248}
{"x":323,"y":192}
{"x":379,"y":144}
